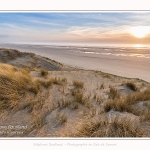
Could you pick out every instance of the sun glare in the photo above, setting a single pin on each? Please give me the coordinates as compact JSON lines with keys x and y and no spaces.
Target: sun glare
{"x":138,"y":46}
{"x":140,"y":31}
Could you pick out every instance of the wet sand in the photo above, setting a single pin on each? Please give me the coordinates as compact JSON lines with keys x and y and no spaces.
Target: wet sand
{"x":126,"y":62}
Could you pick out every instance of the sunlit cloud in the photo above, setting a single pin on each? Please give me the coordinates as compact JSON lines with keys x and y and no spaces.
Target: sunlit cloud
{"x":121,"y":27}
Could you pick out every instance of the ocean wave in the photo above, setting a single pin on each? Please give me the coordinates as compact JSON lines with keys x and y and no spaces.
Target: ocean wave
{"x":114,"y":54}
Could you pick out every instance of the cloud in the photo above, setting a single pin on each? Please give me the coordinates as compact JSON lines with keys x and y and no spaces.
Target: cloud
{"x":45,"y":23}
{"x":72,"y":27}
{"x":3,"y":36}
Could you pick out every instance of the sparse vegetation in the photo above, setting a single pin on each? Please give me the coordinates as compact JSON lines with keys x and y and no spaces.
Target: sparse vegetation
{"x":132,"y":86}
{"x":103,"y":128}
{"x":78,"y":96}
{"x":113,"y":93}
{"x":93,"y":111}
{"x":147,"y":104}
{"x":46,"y":100}
{"x":64,"y":80}
{"x":138,"y":96}
{"x":106,"y":76}
{"x":56,"y":80}
{"x":117,"y":104}
{"x":63,"y":103}
{"x":145,"y":115}
{"x":100,"y":99}
{"x":13,"y":84}
{"x":44,"y":73}
{"x":74,"y":105}
{"x":61,"y":117}
{"x":38,"y":120}
{"x":102,"y":86}
{"x":11,"y":54}
{"x":95,"y":96}
{"x":77,"y":84}
{"x":125,"y":104}
{"x":34,"y":89}
{"x":44,"y":83}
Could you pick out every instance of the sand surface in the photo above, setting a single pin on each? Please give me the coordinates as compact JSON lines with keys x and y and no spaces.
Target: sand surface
{"x":45,"y":117}
{"x":126,"y":62}
{"x":64,"y":101}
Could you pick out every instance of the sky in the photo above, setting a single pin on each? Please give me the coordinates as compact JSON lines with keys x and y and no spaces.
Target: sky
{"x":75,"y":27}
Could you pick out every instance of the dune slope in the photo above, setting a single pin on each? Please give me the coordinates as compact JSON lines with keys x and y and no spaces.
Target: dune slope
{"x":35,"y":102}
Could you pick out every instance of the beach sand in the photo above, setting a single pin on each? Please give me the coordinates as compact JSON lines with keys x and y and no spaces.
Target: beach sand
{"x":126,"y":62}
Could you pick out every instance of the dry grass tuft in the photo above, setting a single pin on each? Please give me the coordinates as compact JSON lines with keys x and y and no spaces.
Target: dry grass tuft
{"x":93,"y":111}
{"x":38,"y":120}
{"x":14,"y":83}
{"x":117,"y":105}
{"x":56,"y":80}
{"x":121,"y":105}
{"x":132,"y":86}
{"x":102,"y":86}
{"x":63,"y":103}
{"x":44,"y":83}
{"x":113,"y":93}
{"x":103,"y":128}
{"x":138,"y":96}
{"x":74,"y":105}
{"x":125,"y":104}
{"x":100,"y":99}
{"x":44,"y":73}
{"x":64,"y":80}
{"x":61,"y":117}
{"x":77,"y":84}
{"x":34,"y":89}
{"x":145,"y":116}
{"x":78,"y":96}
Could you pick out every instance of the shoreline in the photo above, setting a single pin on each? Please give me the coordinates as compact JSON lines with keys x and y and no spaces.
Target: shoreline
{"x":129,"y":67}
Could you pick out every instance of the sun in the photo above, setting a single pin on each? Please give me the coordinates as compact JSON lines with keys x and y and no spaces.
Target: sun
{"x":140,"y":31}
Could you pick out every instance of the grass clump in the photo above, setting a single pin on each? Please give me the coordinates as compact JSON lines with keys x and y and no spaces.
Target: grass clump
{"x":77,"y":84}
{"x":117,"y":104}
{"x":56,"y":80}
{"x":125,"y":104}
{"x":78,"y":96}
{"x":100,"y":99}
{"x":34,"y":89}
{"x":74,"y":105}
{"x":38,"y":120}
{"x":103,"y":128}
{"x":44,"y":73}
{"x":63,"y":103}
{"x":145,"y":116}
{"x":132,"y":86}
{"x":113,"y":93}
{"x":64,"y":80}
{"x":147,"y":104}
{"x":14,"y":83}
{"x":44,"y":83}
{"x":61,"y":117}
{"x":138,"y":96}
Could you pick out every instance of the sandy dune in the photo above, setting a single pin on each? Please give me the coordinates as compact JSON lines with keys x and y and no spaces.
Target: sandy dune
{"x":30,"y":60}
{"x":69,"y":102}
